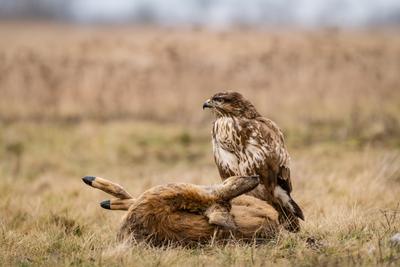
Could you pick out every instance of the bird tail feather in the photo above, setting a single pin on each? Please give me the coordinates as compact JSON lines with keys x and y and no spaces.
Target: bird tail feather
{"x":296,"y":209}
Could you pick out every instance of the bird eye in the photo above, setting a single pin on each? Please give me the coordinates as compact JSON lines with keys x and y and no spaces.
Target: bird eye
{"x":218,"y":99}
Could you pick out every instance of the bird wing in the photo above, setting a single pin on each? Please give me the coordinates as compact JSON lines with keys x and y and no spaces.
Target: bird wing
{"x":263,"y":135}
{"x":277,"y":157}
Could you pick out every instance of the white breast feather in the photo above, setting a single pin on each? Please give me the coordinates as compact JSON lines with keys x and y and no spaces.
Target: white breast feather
{"x":249,"y":159}
{"x":225,"y":159}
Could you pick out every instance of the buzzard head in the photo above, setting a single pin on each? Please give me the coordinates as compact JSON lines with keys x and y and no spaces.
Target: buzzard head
{"x":231,"y":104}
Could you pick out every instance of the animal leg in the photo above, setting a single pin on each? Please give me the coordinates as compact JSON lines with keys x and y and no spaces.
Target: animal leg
{"x":107,"y":186}
{"x":235,"y":186}
{"x":117,"y":204}
{"x":219,"y":214}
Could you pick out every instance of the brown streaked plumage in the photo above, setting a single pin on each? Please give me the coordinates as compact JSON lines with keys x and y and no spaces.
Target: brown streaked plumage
{"x":189,"y":214}
{"x":245,"y":143}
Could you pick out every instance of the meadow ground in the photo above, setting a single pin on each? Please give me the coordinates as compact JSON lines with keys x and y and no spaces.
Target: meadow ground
{"x":125,"y":104}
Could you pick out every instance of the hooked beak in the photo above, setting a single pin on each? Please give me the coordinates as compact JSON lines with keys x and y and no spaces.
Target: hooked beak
{"x":208,"y":104}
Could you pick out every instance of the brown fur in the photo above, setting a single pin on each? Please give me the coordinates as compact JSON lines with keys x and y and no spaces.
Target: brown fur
{"x":191,"y":214}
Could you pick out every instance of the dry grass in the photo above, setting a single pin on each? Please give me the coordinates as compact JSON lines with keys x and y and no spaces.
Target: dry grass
{"x":126,"y":104}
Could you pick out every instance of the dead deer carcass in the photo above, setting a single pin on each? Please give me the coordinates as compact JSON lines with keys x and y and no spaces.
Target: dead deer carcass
{"x":187,"y":213}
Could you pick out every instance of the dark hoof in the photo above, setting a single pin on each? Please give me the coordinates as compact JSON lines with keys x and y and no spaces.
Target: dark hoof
{"x":88,"y":180}
{"x":106,"y":204}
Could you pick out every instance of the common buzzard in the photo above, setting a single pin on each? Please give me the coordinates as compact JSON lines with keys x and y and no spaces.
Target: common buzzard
{"x":245,"y":143}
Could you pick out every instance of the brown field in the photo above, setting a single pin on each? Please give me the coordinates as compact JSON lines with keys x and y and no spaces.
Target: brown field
{"x":125,"y":103}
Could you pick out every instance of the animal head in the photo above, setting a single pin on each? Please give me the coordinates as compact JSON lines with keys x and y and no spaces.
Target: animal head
{"x":231,"y":104}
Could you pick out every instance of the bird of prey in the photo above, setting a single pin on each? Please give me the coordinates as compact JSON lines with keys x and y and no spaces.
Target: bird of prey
{"x":245,"y":143}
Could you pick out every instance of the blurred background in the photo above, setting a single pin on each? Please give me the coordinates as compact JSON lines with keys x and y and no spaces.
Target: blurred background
{"x":157,"y":60}
{"x":327,"y":72}
{"x":330,"y":66}
{"x":217,"y":13}
{"x":115,"y":88}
